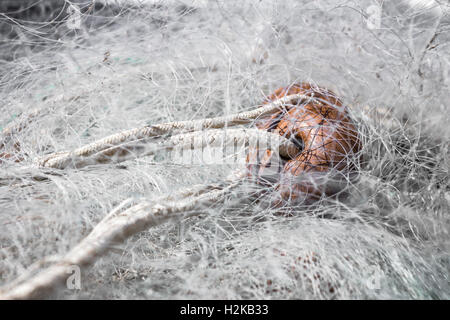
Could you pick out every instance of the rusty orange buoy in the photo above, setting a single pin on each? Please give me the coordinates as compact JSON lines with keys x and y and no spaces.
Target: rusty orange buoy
{"x":329,"y":144}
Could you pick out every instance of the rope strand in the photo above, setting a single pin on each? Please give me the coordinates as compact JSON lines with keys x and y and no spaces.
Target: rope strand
{"x":212,"y":138}
{"x":117,"y":227}
{"x":168,"y":128}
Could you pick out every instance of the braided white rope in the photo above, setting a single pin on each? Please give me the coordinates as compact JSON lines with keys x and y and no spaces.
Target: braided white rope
{"x":157,"y":130}
{"x":117,"y":227}
{"x":212,"y":138}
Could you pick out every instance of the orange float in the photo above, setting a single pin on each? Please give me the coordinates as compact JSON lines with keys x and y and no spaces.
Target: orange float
{"x":328,"y":142}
